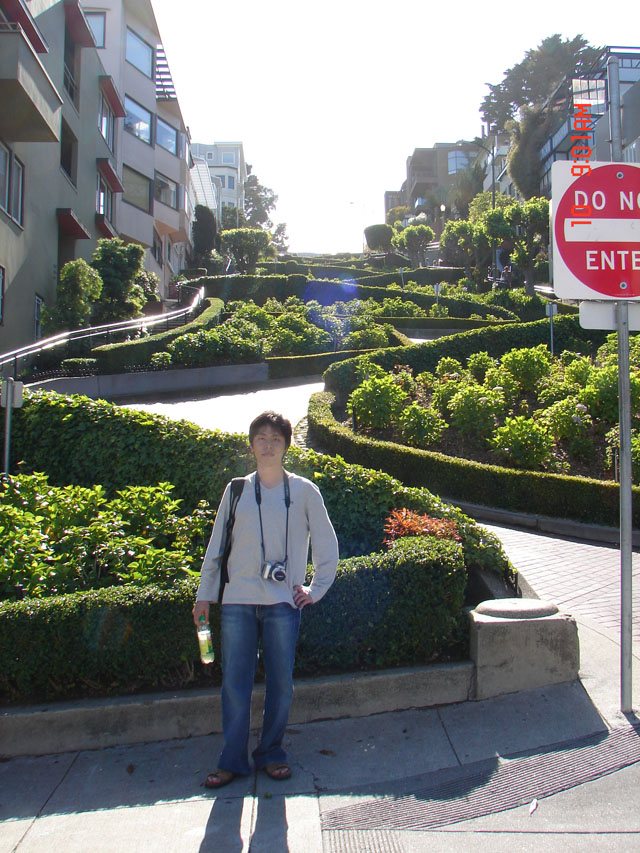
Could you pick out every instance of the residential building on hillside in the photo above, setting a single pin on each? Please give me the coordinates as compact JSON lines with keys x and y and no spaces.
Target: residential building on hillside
{"x":228,"y":171}
{"x":592,"y":90}
{"x":92,"y":144}
{"x":206,"y":192}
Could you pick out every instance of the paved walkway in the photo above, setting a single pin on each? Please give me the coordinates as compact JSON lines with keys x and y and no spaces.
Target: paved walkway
{"x":552,"y":769}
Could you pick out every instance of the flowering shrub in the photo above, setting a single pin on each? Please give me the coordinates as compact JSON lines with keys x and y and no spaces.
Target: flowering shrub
{"x":528,"y":365}
{"x":566,"y":418}
{"x":160,"y":360}
{"x":478,"y":363}
{"x":420,"y":427}
{"x":438,"y":310}
{"x":448,"y":365}
{"x":500,"y":379}
{"x":523,"y":442}
{"x":577,"y":371}
{"x":225,"y":344}
{"x":612,"y":439}
{"x":371,"y":338}
{"x":474,"y":408}
{"x":406,"y":522}
{"x":445,"y":390}
{"x":600,"y":394}
{"x":376,"y":402}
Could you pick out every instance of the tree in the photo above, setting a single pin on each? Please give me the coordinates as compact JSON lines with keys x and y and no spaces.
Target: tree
{"x":468,"y":183}
{"x":233,"y":217}
{"x":148,"y":281}
{"x":245,"y":245}
{"x":414,"y":240}
{"x":279,"y":238}
{"x":79,"y":286}
{"x":118,"y":264}
{"x":523,"y":159}
{"x":483,"y":202}
{"x":378,"y":237}
{"x":533,"y":80}
{"x":465,"y":244}
{"x":397,"y":214}
{"x":259,"y":201}
{"x":204,"y":231}
{"x":530,"y":234}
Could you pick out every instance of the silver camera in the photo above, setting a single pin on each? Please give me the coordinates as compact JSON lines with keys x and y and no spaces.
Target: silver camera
{"x":274,"y":572}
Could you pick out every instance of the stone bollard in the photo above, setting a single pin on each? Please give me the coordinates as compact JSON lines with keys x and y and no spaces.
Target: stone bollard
{"x":521,"y":643}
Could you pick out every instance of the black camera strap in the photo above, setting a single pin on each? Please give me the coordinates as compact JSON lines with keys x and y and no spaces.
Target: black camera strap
{"x":287,"y":502}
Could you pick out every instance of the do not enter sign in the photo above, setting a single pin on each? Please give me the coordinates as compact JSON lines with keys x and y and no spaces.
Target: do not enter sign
{"x":596,"y":231}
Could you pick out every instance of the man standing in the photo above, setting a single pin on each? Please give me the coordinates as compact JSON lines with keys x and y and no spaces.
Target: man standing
{"x":276,"y":516}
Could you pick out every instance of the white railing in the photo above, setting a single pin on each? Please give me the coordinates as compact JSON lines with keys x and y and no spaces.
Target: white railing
{"x":139,"y":324}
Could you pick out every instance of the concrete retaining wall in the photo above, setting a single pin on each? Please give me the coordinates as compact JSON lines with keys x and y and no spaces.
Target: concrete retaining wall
{"x":119,"y":386}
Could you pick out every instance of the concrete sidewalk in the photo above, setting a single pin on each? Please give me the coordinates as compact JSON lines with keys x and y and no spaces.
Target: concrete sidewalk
{"x":555,"y":768}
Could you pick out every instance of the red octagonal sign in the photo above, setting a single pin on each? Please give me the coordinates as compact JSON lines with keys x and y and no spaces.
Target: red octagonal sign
{"x":596,"y":231}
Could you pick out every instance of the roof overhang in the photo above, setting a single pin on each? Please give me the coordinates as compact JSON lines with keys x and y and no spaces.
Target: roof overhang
{"x":71,"y":225}
{"x":112,"y":95}
{"x":77,"y":24}
{"x":108,"y":172}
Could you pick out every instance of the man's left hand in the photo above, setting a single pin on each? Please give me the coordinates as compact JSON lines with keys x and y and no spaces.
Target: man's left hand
{"x":301,"y":597}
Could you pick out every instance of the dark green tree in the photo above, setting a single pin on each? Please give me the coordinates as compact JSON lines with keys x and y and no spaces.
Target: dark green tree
{"x":259,"y":201}
{"x":523,"y":159}
{"x":245,"y":246}
{"x":378,"y":237}
{"x":279,"y":237}
{"x":233,"y":217}
{"x":414,"y":240}
{"x":397,"y":214}
{"x":118,"y":265}
{"x":79,"y":286}
{"x":203,"y":232}
{"x":468,"y":183}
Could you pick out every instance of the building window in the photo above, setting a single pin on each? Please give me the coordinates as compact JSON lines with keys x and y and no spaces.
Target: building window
{"x":231,"y":182}
{"x":137,"y":120}
{"x":5,"y":159}
{"x":106,"y":121}
{"x":166,"y":136}
{"x":11,"y":184}
{"x":68,"y":152}
{"x":156,"y":248}
{"x":104,"y":201}
{"x":137,"y":189}
{"x":139,"y":53}
{"x":457,"y":160}
{"x":166,"y":190}
{"x":3,"y":275}
{"x":222,"y":180}
{"x":96,"y":21}
{"x":17,"y":189}
{"x":37,"y":317}
{"x":209,"y":155}
{"x":228,"y":159}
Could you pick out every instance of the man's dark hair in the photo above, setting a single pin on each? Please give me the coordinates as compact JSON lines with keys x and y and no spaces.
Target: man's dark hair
{"x":274,"y":420}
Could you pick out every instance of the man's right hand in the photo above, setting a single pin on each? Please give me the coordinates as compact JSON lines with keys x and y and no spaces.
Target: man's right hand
{"x":200,"y":608}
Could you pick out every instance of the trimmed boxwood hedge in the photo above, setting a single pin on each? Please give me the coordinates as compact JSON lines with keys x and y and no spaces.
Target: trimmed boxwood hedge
{"x":387,"y":609}
{"x":115,"y":358}
{"x":436,"y":323}
{"x":496,"y":340}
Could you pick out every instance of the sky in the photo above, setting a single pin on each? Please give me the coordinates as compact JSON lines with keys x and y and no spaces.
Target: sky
{"x":329,"y":99}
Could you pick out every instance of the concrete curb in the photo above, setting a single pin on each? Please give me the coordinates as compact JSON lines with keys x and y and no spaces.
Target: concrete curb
{"x":99,"y":723}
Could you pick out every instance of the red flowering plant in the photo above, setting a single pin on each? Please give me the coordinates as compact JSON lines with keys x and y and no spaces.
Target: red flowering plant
{"x":406,"y":522}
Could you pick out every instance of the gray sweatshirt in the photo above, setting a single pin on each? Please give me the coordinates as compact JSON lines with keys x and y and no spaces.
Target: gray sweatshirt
{"x":308,"y":520}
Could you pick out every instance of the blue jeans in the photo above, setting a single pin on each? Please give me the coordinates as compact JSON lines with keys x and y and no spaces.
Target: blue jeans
{"x":243,"y":625}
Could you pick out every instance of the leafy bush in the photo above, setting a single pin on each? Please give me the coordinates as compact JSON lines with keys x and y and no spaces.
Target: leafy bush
{"x":478,"y":363}
{"x":600,"y":394}
{"x":161,"y":360}
{"x":528,"y":365}
{"x":420,"y":427}
{"x":64,"y":539}
{"x":566,"y":418}
{"x":79,"y":366}
{"x":406,"y":522}
{"x":376,"y":403}
{"x":523,"y":442}
{"x":474,"y":409}
{"x":371,"y":338}
{"x":448,"y":365}
{"x":226,"y":344}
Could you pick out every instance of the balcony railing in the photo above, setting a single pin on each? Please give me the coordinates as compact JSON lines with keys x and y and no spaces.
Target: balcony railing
{"x":70,"y":85}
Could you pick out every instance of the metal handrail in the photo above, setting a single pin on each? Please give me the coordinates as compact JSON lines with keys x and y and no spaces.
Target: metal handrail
{"x":139,"y":323}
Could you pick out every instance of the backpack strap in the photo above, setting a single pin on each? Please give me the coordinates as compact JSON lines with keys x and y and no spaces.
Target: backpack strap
{"x":237,"y":486}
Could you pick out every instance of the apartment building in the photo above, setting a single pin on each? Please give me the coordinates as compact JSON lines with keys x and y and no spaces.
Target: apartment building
{"x":92,"y":144}
{"x":228,"y":171}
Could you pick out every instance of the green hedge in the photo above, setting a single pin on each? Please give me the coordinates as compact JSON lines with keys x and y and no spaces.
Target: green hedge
{"x":423,"y":275}
{"x":496,"y":340}
{"x":261,"y":288}
{"x":285,"y":367}
{"x":115,"y":358}
{"x":554,"y":495}
{"x":388,"y":609}
{"x":462,"y":323}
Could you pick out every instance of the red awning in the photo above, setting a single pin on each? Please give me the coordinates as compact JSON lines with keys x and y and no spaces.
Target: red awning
{"x":18,"y":13}
{"x":112,"y":95}
{"x":70,"y":224}
{"x":103,"y":225}
{"x":77,"y":24}
{"x":106,"y":169}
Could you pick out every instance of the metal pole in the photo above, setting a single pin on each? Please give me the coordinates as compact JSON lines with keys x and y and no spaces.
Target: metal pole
{"x":626,"y":553}
{"x":624,"y":404}
{"x":551,"y":330}
{"x":7,"y":424}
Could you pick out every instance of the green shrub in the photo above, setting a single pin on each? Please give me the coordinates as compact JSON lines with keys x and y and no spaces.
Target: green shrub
{"x":372,"y":338}
{"x":376,"y":403}
{"x":523,"y":442}
{"x":448,"y":365}
{"x":420,"y":427}
{"x":230,"y":343}
{"x":528,"y":365}
{"x":79,"y":366}
{"x":161,"y":361}
{"x":600,"y":394}
{"x":478,"y":363}
{"x":474,"y":410}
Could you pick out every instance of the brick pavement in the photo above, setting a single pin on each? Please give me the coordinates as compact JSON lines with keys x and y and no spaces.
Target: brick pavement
{"x":580,"y":577}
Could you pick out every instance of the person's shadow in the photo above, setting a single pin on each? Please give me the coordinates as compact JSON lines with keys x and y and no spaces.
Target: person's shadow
{"x":222,"y":831}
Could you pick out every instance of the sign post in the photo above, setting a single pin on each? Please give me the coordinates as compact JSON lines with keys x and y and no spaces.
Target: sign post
{"x":596,"y":256}
{"x":551,"y":310}
{"x":10,"y":397}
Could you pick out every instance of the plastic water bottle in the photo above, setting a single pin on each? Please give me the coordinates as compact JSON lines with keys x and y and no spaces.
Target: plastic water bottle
{"x":204,"y":641}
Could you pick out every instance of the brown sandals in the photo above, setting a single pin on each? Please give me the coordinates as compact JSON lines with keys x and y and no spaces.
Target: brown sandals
{"x":277,"y":771}
{"x":219,"y":779}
